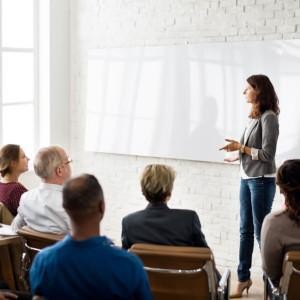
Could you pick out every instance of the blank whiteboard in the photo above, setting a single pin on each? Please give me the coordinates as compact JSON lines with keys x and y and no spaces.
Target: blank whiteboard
{"x":182,"y":101}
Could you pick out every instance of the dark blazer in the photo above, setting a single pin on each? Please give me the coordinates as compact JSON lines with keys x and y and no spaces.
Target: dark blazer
{"x":158,"y":224}
{"x":263,"y":136}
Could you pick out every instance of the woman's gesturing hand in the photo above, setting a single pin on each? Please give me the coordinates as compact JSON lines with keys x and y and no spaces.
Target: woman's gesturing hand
{"x":232,"y":146}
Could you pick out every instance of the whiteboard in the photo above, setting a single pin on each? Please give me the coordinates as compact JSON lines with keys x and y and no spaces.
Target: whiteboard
{"x":182,"y":101}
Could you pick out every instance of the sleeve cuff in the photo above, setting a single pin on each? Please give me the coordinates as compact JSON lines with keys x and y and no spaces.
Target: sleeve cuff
{"x":254,"y":154}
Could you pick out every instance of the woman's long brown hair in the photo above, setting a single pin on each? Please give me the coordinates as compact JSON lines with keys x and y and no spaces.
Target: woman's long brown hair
{"x":266,"y":96}
{"x":288,"y":180}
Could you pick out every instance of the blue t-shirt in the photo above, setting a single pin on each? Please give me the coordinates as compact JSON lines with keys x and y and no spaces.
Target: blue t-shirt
{"x":90,"y":269}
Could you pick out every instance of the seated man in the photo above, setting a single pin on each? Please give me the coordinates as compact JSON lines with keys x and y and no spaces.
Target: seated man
{"x":158,"y":224}
{"x":41,"y":208}
{"x":85,"y":265}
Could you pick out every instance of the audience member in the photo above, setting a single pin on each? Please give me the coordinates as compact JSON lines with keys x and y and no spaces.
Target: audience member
{"x":41,"y":208}
{"x":158,"y":224}
{"x":85,"y":265}
{"x":13,"y":162}
{"x":281,"y":230}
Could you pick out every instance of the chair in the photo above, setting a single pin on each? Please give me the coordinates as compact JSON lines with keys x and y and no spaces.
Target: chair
{"x":289,"y":285}
{"x":181,"y":273}
{"x":10,"y":254}
{"x":34,"y":242}
{"x":5,"y":215}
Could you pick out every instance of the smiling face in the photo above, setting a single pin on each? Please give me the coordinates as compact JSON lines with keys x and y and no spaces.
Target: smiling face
{"x":250,"y":94}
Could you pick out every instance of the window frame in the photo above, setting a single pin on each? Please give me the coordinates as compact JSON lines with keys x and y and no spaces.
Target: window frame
{"x":35,"y":52}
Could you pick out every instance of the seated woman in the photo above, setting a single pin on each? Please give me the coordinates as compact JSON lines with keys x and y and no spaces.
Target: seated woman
{"x":158,"y":224}
{"x":13,"y":162}
{"x":281,"y":230}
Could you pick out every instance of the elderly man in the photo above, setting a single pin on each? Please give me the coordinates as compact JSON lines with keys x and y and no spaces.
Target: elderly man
{"x":85,"y":265}
{"x":41,"y":208}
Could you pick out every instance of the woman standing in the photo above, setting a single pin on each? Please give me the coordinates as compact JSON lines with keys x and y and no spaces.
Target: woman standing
{"x":257,"y":150}
{"x":13,"y":162}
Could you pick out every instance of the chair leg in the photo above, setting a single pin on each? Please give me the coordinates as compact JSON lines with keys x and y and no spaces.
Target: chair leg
{"x":6,"y":267}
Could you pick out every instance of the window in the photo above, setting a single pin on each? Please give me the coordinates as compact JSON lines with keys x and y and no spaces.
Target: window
{"x":19,"y":73}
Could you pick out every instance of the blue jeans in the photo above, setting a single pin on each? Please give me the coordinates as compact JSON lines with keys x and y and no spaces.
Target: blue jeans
{"x":256,"y":198}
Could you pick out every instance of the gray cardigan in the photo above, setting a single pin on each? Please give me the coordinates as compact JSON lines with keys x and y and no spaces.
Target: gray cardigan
{"x":263,"y":135}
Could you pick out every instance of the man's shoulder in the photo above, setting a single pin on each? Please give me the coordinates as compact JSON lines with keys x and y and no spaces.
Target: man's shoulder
{"x":27,"y":196}
{"x":47,"y":254}
{"x":185,"y":212}
{"x":123,"y":257}
{"x":134,"y":215}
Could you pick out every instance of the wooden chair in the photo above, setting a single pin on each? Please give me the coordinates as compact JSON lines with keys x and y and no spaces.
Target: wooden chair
{"x":289,"y":286}
{"x":34,"y":242}
{"x":181,"y":273}
{"x":5,"y":215}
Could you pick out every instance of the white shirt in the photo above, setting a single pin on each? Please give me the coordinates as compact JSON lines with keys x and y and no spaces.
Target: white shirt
{"x":41,"y":209}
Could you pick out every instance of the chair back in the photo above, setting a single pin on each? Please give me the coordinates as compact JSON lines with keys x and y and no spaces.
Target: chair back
{"x":5,"y":215}
{"x":290,"y":281}
{"x":34,"y":242}
{"x":178,"y":273}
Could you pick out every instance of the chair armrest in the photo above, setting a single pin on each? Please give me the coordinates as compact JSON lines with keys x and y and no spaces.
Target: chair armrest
{"x":224,"y":285}
{"x":275,"y":291}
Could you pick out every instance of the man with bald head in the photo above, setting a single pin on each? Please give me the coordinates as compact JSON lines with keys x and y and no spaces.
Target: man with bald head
{"x":86,"y":265}
{"x":41,"y":208}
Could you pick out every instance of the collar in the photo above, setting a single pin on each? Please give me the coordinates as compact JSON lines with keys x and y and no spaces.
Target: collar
{"x":51,"y":186}
{"x":159,"y":205}
{"x":96,"y":240}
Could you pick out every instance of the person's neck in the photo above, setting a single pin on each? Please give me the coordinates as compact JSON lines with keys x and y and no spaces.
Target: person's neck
{"x":53,"y":180}
{"x":84,"y":231}
{"x":12,"y":177}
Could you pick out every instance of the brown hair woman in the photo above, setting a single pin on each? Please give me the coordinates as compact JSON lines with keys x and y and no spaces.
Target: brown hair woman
{"x":13,"y":162}
{"x":257,"y":149}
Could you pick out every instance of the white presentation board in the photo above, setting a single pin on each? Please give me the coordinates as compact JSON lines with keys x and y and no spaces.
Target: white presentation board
{"x":182,"y":101}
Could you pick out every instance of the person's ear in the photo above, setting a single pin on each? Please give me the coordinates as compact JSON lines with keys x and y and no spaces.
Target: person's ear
{"x":58,"y":171}
{"x":102,"y":208}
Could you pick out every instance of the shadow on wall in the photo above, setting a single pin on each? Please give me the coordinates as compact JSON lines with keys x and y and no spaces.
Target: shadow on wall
{"x":208,"y":141}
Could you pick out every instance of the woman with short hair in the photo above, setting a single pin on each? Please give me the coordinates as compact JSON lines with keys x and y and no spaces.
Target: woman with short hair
{"x":13,"y":162}
{"x":157,"y":223}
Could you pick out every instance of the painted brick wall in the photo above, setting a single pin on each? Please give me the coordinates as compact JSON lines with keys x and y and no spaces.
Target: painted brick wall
{"x":209,"y":188}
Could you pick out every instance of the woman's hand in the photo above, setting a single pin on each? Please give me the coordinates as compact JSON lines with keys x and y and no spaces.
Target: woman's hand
{"x":232,"y":146}
{"x":231,"y":159}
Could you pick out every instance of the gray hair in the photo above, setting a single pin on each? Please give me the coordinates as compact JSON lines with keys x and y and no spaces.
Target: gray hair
{"x":47,"y":160}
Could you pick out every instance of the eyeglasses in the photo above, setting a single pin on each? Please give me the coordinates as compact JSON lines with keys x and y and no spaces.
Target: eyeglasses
{"x":68,"y":161}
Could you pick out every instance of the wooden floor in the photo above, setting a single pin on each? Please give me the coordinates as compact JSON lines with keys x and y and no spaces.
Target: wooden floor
{"x":256,"y":292}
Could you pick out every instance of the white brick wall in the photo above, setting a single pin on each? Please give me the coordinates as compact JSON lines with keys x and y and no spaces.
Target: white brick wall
{"x":209,"y":188}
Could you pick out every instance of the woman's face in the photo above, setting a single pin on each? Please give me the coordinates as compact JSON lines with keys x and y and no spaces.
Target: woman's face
{"x":22,"y":165}
{"x":250,"y":93}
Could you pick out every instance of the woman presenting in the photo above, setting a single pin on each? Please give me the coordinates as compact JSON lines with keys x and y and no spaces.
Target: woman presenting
{"x":257,"y":150}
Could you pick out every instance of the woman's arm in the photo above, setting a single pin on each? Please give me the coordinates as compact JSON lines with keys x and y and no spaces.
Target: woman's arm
{"x":271,"y":249}
{"x":270,"y":132}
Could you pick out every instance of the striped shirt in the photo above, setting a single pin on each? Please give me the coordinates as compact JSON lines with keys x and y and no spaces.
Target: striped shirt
{"x":10,"y":194}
